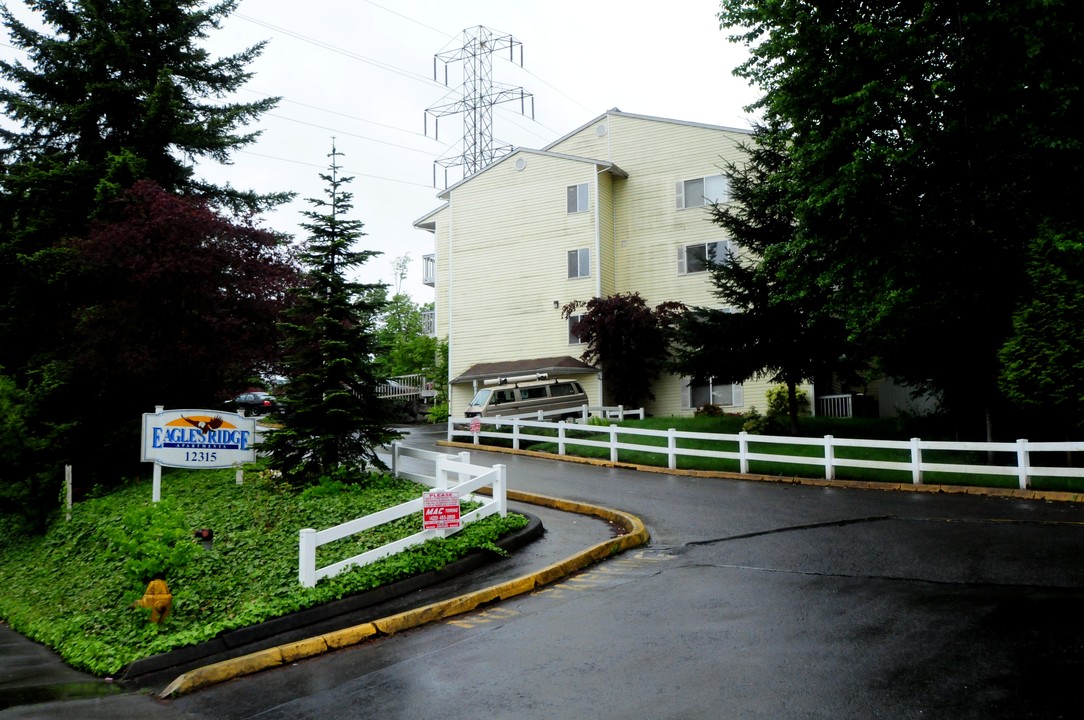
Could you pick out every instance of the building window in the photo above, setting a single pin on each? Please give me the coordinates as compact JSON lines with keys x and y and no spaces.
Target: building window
{"x":579,"y":263}
{"x":573,"y":338}
{"x":577,"y":198}
{"x":696,"y":258}
{"x":701,"y":191}
{"x":698,"y":394}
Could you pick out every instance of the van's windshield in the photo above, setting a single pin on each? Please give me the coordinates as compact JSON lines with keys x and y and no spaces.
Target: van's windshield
{"x":481,"y":397}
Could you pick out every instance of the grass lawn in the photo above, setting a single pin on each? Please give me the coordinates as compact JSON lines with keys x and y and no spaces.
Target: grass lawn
{"x":71,"y":588}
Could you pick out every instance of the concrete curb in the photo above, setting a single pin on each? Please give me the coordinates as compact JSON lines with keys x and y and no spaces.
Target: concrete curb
{"x":1047,"y":495}
{"x":635,"y":535}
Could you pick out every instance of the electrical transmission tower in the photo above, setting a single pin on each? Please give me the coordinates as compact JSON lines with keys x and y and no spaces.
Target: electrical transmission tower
{"x":476,"y":99}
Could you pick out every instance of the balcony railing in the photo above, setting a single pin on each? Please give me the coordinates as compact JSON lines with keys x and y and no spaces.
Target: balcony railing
{"x":837,"y":406}
{"x":429,"y":270}
{"x":429,"y":323}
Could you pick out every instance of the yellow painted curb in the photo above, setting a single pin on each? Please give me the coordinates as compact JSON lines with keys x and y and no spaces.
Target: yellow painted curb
{"x":223,"y":671}
{"x":635,"y":535}
{"x":349,"y":636}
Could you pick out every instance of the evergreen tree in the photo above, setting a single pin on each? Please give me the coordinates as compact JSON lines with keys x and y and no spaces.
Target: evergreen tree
{"x":775,"y":325}
{"x":112,"y":91}
{"x":332,"y":420}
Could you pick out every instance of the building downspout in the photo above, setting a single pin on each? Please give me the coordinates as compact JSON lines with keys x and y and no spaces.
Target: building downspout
{"x":598,"y":255}
{"x":451,"y":227}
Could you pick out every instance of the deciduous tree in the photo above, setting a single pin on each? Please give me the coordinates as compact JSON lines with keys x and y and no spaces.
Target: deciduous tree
{"x":181,"y":308}
{"x":628,"y":340}
{"x":928,"y":142}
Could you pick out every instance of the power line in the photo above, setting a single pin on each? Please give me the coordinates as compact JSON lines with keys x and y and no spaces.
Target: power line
{"x":339,"y":50}
{"x":336,"y":112}
{"x":345,"y":132}
{"x":410,"y":19}
{"x":324,"y":167}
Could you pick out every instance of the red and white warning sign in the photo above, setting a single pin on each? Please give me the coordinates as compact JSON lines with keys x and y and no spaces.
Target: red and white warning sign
{"x":440,"y":510}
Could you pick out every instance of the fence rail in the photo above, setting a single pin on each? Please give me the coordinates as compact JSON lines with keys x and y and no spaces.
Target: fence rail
{"x":451,"y":472}
{"x":746,"y":449}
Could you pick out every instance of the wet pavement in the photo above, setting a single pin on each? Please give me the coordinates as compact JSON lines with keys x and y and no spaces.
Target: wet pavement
{"x":753,"y":600}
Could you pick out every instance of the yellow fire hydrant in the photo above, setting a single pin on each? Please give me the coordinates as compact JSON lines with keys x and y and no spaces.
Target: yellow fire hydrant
{"x":158,"y":598}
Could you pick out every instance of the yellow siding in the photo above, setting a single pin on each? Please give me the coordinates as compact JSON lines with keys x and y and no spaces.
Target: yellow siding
{"x":502,"y":243}
{"x":510,"y":235}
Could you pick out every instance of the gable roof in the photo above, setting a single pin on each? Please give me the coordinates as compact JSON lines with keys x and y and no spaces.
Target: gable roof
{"x":563,"y":365}
{"x":649,"y":118}
{"x":605,"y":165}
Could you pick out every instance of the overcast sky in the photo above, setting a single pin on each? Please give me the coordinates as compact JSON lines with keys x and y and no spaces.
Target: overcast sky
{"x":361,"y":71}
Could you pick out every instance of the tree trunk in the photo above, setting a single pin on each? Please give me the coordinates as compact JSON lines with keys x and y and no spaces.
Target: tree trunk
{"x":792,"y":406}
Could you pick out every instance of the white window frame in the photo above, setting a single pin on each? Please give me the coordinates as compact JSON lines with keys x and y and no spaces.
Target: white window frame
{"x":688,"y":197}
{"x":579,"y":263}
{"x":572,"y":338}
{"x":577,"y":198}
{"x":737,"y":394}
{"x":722,"y":252}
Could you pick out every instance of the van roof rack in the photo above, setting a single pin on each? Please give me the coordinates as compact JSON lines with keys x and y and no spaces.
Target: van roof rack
{"x":516,"y":379}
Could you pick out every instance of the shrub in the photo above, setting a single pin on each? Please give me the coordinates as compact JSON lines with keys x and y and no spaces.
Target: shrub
{"x":154,"y":542}
{"x":439,"y":412}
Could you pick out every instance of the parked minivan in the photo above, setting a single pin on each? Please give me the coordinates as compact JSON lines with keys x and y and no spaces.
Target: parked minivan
{"x":525,"y":395}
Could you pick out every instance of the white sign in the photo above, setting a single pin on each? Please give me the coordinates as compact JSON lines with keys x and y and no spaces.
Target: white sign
{"x":440,"y":510}
{"x":198,"y":438}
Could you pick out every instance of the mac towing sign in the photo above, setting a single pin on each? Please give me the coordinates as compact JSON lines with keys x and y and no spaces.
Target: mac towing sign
{"x":198,"y":438}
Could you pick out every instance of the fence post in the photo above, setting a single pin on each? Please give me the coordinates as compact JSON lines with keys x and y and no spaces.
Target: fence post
{"x":306,"y":561}
{"x":1022,"y":462}
{"x":68,"y":492}
{"x":916,"y":461}
{"x":829,"y":459}
{"x":561,"y":437}
{"x":464,"y":457}
{"x":395,"y":459}
{"x":613,"y":443}
{"x":620,"y":412}
{"x":440,"y":477}
{"x":671,"y":448}
{"x":451,"y":428}
{"x":500,"y":489}
{"x":743,"y":452}
{"x":515,"y":433}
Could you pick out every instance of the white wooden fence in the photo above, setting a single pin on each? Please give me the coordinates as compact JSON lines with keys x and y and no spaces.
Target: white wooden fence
{"x":610,"y":412}
{"x":451,"y":472}
{"x":615,"y":439}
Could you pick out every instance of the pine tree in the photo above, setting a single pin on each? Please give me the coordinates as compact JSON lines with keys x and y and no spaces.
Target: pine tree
{"x":777,"y":322}
{"x":332,"y":420}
